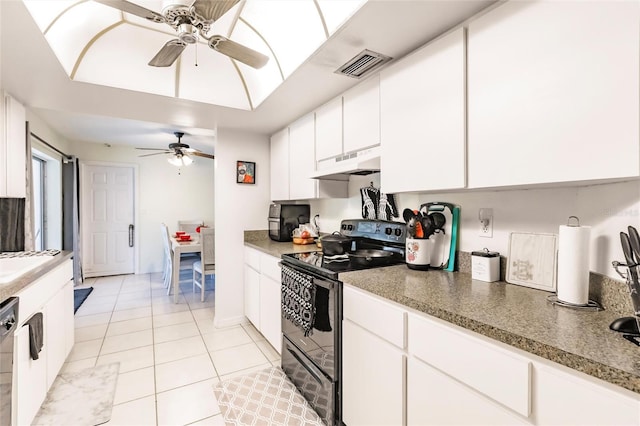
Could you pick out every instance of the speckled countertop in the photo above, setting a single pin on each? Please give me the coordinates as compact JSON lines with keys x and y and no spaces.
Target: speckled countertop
{"x":13,"y":287}
{"x":518,"y":316}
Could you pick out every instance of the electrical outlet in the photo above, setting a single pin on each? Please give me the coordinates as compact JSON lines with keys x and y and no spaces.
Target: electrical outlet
{"x":485,"y":216}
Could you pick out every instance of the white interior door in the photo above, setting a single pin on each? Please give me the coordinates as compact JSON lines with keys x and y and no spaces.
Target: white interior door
{"x":107,"y":212}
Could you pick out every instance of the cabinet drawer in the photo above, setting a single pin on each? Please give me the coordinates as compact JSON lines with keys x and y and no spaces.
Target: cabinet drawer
{"x":375,"y":315}
{"x":481,"y":365}
{"x":252,"y":258}
{"x":269,"y":267}
{"x":33,"y":297}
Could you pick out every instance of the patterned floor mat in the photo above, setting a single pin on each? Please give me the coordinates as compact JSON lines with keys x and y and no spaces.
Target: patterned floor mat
{"x":264,"y":397}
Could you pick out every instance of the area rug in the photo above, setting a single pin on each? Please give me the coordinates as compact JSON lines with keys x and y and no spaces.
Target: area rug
{"x":80,"y":398}
{"x":264,"y":397}
{"x":79,"y":296}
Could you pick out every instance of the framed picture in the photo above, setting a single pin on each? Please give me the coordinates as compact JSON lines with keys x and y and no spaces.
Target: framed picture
{"x":245,"y":172}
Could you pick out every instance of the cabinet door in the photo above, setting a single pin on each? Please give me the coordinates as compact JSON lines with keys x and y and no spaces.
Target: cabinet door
{"x":252,"y":295}
{"x":433,"y":398}
{"x":422,"y":120}
{"x":270,"y":323}
{"x":302,"y":159}
{"x":14,"y":146}
{"x":372,"y":378}
{"x":55,"y":336}
{"x":280,"y":165}
{"x":361,"y":119}
{"x":30,"y":377}
{"x":329,"y":129}
{"x":553,"y":105}
{"x":562,"y":397}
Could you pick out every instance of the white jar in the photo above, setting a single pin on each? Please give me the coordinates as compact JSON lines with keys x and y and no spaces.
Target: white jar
{"x":485,"y":265}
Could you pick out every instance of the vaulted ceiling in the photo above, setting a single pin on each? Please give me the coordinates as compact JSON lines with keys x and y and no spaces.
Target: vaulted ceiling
{"x":133,"y":112}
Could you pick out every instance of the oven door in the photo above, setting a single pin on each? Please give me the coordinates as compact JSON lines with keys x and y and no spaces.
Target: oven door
{"x":321,"y":345}
{"x":317,"y":389}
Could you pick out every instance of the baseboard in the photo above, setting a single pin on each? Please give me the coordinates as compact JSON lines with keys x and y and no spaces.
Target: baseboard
{"x":228,"y":322}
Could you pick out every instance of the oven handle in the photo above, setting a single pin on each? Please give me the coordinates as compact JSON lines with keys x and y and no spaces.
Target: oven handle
{"x":311,"y":371}
{"x":317,"y":281}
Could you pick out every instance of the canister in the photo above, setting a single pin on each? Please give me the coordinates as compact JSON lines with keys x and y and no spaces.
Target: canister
{"x":485,"y":265}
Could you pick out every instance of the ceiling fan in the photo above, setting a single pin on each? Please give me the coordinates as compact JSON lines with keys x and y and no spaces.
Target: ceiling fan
{"x":180,"y":153}
{"x":191,"y":19}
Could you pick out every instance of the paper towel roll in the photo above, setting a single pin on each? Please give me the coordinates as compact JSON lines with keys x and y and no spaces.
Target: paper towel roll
{"x":573,"y":264}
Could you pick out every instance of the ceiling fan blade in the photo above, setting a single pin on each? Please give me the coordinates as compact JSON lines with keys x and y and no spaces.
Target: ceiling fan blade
{"x":168,"y":54}
{"x":238,"y":52}
{"x":133,"y":9}
{"x":155,"y":149}
{"x":202,"y":154}
{"x":212,"y":10}
{"x":155,"y":153}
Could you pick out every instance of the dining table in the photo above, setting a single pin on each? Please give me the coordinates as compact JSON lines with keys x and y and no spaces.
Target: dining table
{"x":178,"y":248}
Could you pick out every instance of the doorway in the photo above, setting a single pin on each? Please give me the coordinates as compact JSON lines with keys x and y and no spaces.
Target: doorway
{"x":107,"y":218}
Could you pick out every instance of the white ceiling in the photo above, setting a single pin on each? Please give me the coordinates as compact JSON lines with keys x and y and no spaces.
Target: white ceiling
{"x":99,"y":114}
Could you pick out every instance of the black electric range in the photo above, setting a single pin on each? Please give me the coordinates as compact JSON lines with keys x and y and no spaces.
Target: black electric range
{"x":367,"y":235}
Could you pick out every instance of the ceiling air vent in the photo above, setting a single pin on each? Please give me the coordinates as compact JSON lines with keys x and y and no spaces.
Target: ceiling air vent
{"x":363,"y":63}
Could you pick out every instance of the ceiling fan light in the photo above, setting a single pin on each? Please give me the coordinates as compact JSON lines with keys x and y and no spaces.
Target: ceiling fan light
{"x":187,"y":160}
{"x":175,"y":161}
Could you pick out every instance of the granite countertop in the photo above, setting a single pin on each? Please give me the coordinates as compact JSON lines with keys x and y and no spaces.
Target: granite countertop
{"x":518,"y":316}
{"x":13,"y":287}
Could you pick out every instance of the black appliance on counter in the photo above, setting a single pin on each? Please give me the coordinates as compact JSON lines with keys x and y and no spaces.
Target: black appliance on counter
{"x":312,"y":309}
{"x":284,"y":218}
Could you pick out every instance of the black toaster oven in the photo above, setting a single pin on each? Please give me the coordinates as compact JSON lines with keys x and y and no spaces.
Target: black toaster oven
{"x":284,"y":218}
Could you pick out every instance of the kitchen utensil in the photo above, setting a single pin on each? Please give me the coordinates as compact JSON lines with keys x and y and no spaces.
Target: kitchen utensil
{"x":336,"y":244}
{"x":634,"y":239}
{"x":632,"y":277}
{"x":369,"y":257}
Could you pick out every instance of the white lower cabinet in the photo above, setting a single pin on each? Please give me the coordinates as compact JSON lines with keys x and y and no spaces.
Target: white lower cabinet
{"x":52,"y":295}
{"x":433,"y":398}
{"x":436,"y":373}
{"x":372,"y":378}
{"x":262,"y":295}
{"x":252,"y":295}
{"x":373,"y":360}
{"x":563,"y":397}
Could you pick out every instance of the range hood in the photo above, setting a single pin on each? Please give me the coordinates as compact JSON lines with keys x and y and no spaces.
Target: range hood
{"x":355,"y":163}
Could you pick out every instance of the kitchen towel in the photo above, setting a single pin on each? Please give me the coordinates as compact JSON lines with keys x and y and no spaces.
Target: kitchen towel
{"x":36,"y":335}
{"x":573,"y":264}
{"x":298,"y":299}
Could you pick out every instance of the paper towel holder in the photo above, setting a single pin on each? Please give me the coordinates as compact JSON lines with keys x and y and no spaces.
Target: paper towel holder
{"x":591,"y":305}
{"x":577,"y":224}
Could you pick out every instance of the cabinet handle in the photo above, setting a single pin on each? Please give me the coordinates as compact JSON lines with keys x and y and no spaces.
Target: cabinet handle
{"x":131,"y":235}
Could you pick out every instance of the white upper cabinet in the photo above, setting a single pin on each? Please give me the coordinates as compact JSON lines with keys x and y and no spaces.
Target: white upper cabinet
{"x":302,"y":159}
{"x":12,"y":148}
{"x":422,"y":127}
{"x":280,"y":165}
{"x":361,"y":120}
{"x":553,"y":93}
{"x":329,"y":129}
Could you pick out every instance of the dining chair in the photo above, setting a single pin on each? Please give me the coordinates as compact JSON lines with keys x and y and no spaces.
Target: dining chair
{"x":207,"y":263}
{"x":166,"y":243}
{"x":189,"y":226}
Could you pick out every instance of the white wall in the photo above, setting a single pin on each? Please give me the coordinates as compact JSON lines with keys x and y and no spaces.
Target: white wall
{"x":607,"y":208}
{"x":238,"y":207}
{"x":166,"y":194}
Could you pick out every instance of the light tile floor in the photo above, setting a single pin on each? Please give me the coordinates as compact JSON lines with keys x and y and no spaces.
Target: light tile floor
{"x":170,"y":354}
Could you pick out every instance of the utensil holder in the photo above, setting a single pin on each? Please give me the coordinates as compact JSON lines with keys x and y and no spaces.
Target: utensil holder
{"x":634,"y":293}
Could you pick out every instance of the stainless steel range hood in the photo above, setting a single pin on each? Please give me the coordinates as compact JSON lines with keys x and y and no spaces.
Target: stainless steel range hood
{"x":343,"y":166}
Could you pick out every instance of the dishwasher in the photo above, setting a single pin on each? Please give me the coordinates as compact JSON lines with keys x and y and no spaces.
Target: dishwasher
{"x":8,"y":325}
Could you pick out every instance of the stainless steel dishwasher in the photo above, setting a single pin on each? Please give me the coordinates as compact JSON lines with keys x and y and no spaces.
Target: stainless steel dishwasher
{"x":8,"y":325}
